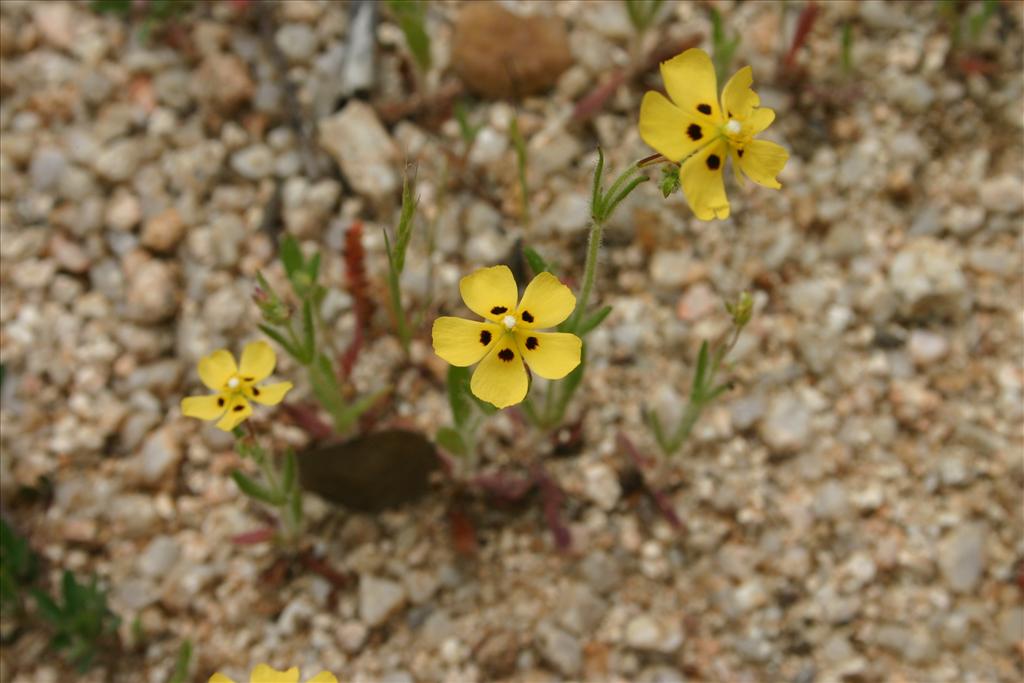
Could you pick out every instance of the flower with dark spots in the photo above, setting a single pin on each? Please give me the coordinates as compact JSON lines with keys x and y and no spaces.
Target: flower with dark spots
{"x":506,"y":345}
{"x":235,"y":388}
{"x":727,"y":129}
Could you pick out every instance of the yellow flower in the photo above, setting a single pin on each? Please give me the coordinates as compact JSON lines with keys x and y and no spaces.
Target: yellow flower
{"x":509,"y":336}
{"x":699,"y":132}
{"x":235,"y":387}
{"x":265,"y":674}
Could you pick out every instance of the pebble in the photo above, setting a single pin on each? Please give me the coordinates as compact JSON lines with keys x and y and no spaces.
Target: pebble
{"x":488,"y":38}
{"x":361,"y":146}
{"x":379,"y":599}
{"x":831,"y":501}
{"x":646,"y":632}
{"x":352,"y":635}
{"x":926,"y":275}
{"x":787,"y":425}
{"x":152,"y":295}
{"x":1002,"y":194}
{"x":159,"y":556}
{"x":1011,"y":626}
{"x":163,"y":231}
{"x":48,"y":165}
{"x":158,"y":461}
{"x":601,"y":571}
{"x":560,"y":649}
{"x":568,"y":214}
{"x":669,"y":268}
{"x":962,"y":557}
{"x":254,"y":162}
{"x":223,"y":82}
{"x":123,"y":211}
{"x":601,"y":485}
{"x":580,"y":610}
{"x":927,"y":347}
{"x":296,"y":41}
{"x":118,"y":161}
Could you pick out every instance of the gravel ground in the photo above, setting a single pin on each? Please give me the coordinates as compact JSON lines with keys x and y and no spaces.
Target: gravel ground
{"x":851,"y":511}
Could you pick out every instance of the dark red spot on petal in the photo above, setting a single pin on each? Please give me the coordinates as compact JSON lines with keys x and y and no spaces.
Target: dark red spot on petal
{"x":255,"y":391}
{"x":220,"y":402}
{"x":485,"y":337}
{"x":506,"y":355}
{"x":739,"y":153}
{"x":248,"y":379}
{"x":238,"y":408}
{"x":694,"y":132}
{"x":532,"y":343}
{"x":714,"y":162}
{"x":498,"y":310}
{"x":527,"y":317}
{"x":704,"y":109}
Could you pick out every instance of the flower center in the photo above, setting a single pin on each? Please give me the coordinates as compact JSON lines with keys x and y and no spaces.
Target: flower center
{"x":233,"y":383}
{"x":733,"y":127}
{"x":510,"y":322}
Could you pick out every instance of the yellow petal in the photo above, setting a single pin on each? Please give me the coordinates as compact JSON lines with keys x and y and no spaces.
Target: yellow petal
{"x":217,"y":368}
{"x":490,"y":292}
{"x":501,"y":379}
{"x":760,"y":119}
{"x":265,"y":674}
{"x":701,"y":178}
{"x":740,"y":180}
{"x":269,"y":394}
{"x":691,"y":83}
{"x":463,"y":342}
{"x":546,"y":302}
{"x":258,"y":361}
{"x":323,"y":677}
{"x":219,"y":678}
{"x":552,"y":355}
{"x":667,"y":129}
{"x":203,"y":407}
{"x":762,"y":160}
{"x":238,"y":410}
{"x":738,"y":100}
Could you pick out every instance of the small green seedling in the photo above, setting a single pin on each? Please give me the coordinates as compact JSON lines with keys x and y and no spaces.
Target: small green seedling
{"x":80,"y":618}
{"x":704,"y":388}
{"x":19,"y":568}
{"x":411,"y":16}
{"x":396,"y":262}
{"x":642,"y":13}
{"x":280,"y":487}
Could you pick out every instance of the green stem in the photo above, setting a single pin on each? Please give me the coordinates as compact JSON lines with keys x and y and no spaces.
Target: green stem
{"x":589,"y":273}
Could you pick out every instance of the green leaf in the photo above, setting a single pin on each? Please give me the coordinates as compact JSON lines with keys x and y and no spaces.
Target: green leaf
{"x":405,"y":224}
{"x":717,"y":391}
{"x":670,"y":180}
{"x":47,"y":607}
{"x":256,"y":491}
{"x":411,"y":17}
{"x":290,"y":468}
{"x":181,"y":663}
{"x":654,"y":422}
{"x":699,"y":374}
{"x":308,"y":330}
{"x":72,"y":593}
{"x":595,"y":191}
{"x":537,"y":263}
{"x":450,"y":440}
{"x":459,"y":394}
{"x":349,"y":415}
{"x":613,"y":203}
{"x":313,"y":267}
{"x":593,"y":320}
{"x":284,"y":343}
{"x":291,"y":257}
{"x":467,"y":131}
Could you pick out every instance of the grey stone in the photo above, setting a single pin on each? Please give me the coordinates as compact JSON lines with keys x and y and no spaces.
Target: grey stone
{"x":831,"y":501}
{"x":351,"y":636}
{"x":568,"y":214}
{"x":163,"y":231}
{"x":253,"y":162}
{"x":355,"y":138}
{"x":962,"y":557}
{"x":119,"y":160}
{"x":601,"y":571}
{"x":296,"y":41}
{"x":48,"y":164}
{"x":159,"y":556}
{"x":580,"y":610}
{"x":927,"y":347}
{"x":601,"y":485}
{"x":645,"y":632}
{"x":160,"y":456}
{"x":379,"y":599}
{"x":152,"y":295}
{"x":1002,"y":194}
{"x":786,"y":427}
{"x":1011,"y":626}
{"x":560,"y":649}
{"x":926,"y":275}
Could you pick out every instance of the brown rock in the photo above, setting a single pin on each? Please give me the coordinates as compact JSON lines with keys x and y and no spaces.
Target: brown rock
{"x":163,"y":231}
{"x":223,"y":82}
{"x":500,"y":54}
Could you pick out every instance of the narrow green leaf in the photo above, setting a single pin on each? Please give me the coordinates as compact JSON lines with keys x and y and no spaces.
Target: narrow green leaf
{"x":467,"y":131}
{"x":411,"y":18}
{"x":308,"y":330}
{"x":405,"y":224}
{"x":699,"y":374}
{"x":313,"y":267}
{"x":450,"y":440}
{"x":593,"y":320}
{"x":570,"y":384}
{"x":349,"y":415}
{"x":717,"y":391}
{"x":181,"y":663}
{"x":612,"y":204}
{"x":537,"y":263}
{"x":459,"y":394}
{"x":256,"y":491}
{"x":654,"y":423}
{"x":70,"y":592}
{"x":291,"y":257}
{"x":284,"y":343}
{"x":47,"y":607}
{"x":290,"y":468}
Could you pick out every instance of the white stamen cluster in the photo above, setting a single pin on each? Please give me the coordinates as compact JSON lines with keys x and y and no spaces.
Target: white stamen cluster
{"x":233,"y":383}
{"x":733,"y":127}
{"x":510,"y":322}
